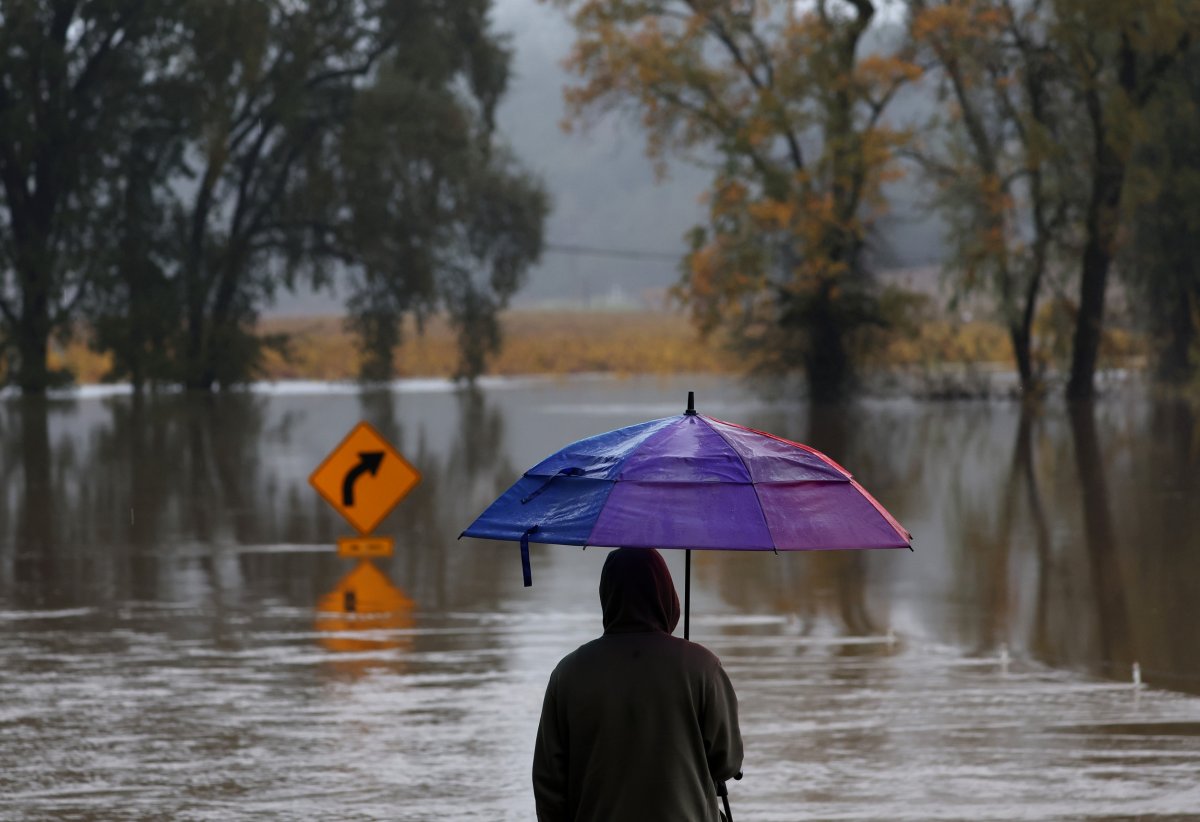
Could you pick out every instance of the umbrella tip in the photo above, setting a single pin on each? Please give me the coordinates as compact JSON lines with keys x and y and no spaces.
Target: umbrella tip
{"x":691,"y":409}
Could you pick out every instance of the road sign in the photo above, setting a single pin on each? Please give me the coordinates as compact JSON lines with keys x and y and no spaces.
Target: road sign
{"x":365,"y":546}
{"x":364,"y":477}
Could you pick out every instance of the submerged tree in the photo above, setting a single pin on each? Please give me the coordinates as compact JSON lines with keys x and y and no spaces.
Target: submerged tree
{"x":790,"y":102}
{"x":297,"y":141}
{"x":1050,"y":102}
{"x":357,"y":136}
{"x":1116,"y":55}
{"x":273,"y":85}
{"x":1161,"y":263}
{"x":132,"y":306}
{"x":68,"y":71}
{"x":441,"y":218}
{"x":1003,"y":190}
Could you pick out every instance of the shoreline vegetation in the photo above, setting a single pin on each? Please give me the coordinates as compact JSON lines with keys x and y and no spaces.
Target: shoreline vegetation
{"x":940,"y":358}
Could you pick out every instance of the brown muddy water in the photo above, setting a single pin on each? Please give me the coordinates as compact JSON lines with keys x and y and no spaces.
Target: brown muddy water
{"x":171,"y":646}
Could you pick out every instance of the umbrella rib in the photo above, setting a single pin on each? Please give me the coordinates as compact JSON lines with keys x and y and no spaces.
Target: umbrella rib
{"x":753,"y":485}
{"x":832,"y":463}
{"x":616,"y":477}
{"x":823,"y":457}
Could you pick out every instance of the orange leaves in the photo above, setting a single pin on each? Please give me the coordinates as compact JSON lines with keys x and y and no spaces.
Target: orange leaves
{"x":943,"y":21}
{"x":881,"y":71}
{"x":772,"y":215}
{"x":788,"y":102}
{"x":730,"y":196}
{"x":956,"y":23}
{"x":718,"y":276}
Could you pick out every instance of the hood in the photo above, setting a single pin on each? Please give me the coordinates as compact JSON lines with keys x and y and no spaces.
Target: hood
{"x":636,"y":592}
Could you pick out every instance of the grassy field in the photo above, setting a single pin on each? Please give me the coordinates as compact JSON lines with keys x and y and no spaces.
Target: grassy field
{"x":574,"y":342}
{"x":535,"y":342}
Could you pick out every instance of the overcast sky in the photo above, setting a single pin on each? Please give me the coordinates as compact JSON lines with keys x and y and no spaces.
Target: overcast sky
{"x":604,"y":191}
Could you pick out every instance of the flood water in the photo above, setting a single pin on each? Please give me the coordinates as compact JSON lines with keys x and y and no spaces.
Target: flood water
{"x":172,"y":646}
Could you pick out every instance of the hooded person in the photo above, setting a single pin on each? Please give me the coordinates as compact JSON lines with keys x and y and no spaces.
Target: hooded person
{"x":638,"y":724}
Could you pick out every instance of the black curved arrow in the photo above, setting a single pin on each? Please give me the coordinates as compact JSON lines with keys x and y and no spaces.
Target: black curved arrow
{"x":367,"y":461}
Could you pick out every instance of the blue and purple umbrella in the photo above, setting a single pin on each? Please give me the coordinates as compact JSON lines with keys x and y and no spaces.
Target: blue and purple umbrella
{"x":692,"y":482}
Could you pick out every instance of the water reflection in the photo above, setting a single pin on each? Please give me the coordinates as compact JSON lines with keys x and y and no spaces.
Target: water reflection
{"x":364,"y":612}
{"x":1100,"y":538}
{"x":1075,"y":549}
{"x":38,"y":498}
{"x":1063,"y":533}
{"x":204,"y":498}
{"x":167,"y":573}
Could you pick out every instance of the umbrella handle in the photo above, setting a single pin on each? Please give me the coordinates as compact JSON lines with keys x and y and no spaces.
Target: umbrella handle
{"x":723,"y":792}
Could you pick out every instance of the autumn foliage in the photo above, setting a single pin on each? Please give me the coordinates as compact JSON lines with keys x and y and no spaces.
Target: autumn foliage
{"x":786,"y":102}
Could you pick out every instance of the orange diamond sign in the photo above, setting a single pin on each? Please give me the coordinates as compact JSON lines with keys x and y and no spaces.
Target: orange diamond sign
{"x":364,"y":477}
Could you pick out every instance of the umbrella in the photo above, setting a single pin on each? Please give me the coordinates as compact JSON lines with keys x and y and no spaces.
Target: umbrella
{"x":693,"y":482}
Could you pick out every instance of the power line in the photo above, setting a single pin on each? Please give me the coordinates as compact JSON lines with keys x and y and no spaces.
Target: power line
{"x":620,"y":253}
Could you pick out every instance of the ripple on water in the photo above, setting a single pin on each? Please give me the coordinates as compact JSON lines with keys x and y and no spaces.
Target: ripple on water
{"x":268,"y":723}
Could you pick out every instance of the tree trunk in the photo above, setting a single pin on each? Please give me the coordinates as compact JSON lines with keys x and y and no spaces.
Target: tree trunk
{"x":195,"y":371}
{"x":1099,"y":247}
{"x":827,"y":361}
{"x":1089,"y":324}
{"x":1022,"y":352}
{"x":33,"y":339}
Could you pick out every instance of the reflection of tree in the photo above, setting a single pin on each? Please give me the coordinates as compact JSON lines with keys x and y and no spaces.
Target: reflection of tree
{"x":988,"y":530}
{"x":1108,"y":584}
{"x":152,"y":485}
{"x":1024,"y":467}
{"x":36,"y":512}
{"x":103,"y":503}
{"x":999,"y":520}
{"x":458,"y":480}
{"x":1156,"y":482}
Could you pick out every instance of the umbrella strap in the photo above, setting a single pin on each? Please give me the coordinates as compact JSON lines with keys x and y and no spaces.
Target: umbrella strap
{"x":526,"y":572}
{"x":572,"y":471}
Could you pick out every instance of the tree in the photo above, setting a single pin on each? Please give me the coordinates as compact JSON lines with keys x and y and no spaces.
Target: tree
{"x":132,"y":306}
{"x":68,"y":68}
{"x":1000,"y":171}
{"x":272,"y":84}
{"x":1161,"y":263}
{"x":301,"y":139}
{"x":1116,"y":54}
{"x":1051,"y":98}
{"x":785,"y":99}
{"x":441,"y":216}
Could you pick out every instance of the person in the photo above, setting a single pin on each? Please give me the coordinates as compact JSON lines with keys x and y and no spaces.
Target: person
{"x":638,"y":724}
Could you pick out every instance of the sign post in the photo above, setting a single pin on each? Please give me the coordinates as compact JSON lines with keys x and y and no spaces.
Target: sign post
{"x":363,"y":478}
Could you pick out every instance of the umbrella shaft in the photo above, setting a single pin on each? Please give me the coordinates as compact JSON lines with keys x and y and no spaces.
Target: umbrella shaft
{"x":687,"y":592}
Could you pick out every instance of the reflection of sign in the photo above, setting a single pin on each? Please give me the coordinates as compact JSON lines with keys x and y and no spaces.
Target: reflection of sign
{"x":365,"y":546}
{"x":363,"y":603}
{"x":364,"y":477}
{"x":365,"y":590}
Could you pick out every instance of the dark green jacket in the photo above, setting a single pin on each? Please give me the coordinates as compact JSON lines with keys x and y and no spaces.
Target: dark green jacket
{"x":636,"y":725}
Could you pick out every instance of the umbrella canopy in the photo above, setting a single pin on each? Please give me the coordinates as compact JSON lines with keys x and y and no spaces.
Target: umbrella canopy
{"x":693,"y":482}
